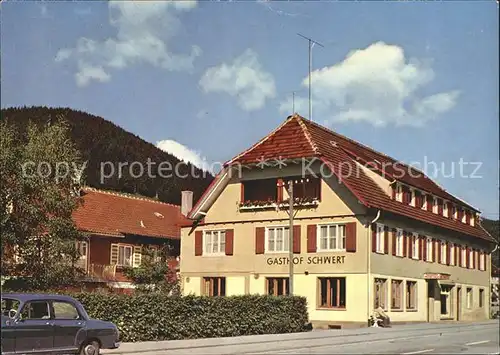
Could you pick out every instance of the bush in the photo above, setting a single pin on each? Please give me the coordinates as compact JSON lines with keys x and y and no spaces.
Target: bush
{"x":154,"y":317}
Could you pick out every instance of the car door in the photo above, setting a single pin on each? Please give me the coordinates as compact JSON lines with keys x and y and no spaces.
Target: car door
{"x":34,"y":329}
{"x":69,"y":325}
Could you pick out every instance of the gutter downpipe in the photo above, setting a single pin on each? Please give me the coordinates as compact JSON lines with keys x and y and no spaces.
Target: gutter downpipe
{"x":369,"y":253}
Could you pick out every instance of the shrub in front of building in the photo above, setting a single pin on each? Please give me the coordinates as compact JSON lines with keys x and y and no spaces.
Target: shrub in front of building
{"x":153,"y":317}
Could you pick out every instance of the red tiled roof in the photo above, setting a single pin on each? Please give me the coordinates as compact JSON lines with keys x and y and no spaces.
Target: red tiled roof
{"x":301,"y":138}
{"x":116,"y":214}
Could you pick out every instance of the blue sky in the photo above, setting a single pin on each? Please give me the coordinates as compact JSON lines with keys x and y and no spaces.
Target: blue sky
{"x":208,"y":79}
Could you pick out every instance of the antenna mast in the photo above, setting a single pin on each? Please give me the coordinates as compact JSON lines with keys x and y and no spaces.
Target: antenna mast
{"x":311,"y":44}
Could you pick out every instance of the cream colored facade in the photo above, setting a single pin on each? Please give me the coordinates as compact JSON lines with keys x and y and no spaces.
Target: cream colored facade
{"x":246,"y":272}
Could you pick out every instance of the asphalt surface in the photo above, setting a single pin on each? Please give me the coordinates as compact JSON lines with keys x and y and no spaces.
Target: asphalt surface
{"x":451,"y":338}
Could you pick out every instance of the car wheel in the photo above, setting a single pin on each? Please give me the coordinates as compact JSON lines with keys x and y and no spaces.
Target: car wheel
{"x":90,"y":348}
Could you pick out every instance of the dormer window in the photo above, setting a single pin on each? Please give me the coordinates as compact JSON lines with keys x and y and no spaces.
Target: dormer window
{"x":454,"y":212}
{"x":467,"y":217}
{"x":412,"y":197}
{"x":424,"y":201}
{"x":473,"y":219}
{"x":445,"y":209}
{"x":435,"y":206}
{"x":399,"y":193}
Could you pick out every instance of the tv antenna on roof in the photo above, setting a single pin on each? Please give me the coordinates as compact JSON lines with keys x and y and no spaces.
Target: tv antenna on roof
{"x":311,"y":44}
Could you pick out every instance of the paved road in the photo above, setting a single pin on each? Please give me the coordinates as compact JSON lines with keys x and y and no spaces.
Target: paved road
{"x":452,"y":338}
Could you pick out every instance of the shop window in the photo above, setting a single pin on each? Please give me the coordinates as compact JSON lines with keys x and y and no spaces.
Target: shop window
{"x":481,"y":298}
{"x":445,"y":301}
{"x":396,"y":294}
{"x":215,"y":286}
{"x":332,"y":292}
{"x":277,"y":286}
{"x":411,"y":295}
{"x":380,"y":294}
{"x":470,"y":297}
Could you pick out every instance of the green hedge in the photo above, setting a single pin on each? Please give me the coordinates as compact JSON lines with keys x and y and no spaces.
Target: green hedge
{"x":153,"y":317}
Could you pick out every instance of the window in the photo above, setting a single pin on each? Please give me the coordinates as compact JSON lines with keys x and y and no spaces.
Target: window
{"x":413,"y":197}
{"x":445,"y":209}
{"x":124,"y":255}
{"x":82,"y":248}
{"x":8,"y":304}
{"x":215,"y":286}
{"x":473,"y":219}
{"x":36,"y":310}
{"x":396,"y":294}
{"x":454,"y":212}
{"x":277,"y":239}
{"x":469,"y":297}
{"x":430,"y":246}
{"x":305,"y":187}
{"x":214,"y":242}
{"x":424,"y":201}
{"x":332,"y":292}
{"x":331,"y":237}
{"x":452,"y":254}
{"x":411,"y":295}
{"x":482,"y":261}
{"x":464,"y":215}
{"x":481,"y":298}
{"x":260,"y":190}
{"x":445,"y":301}
{"x":399,"y":193}
{"x":444,"y":253}
{"x":65,"y":310}
{"x":399,"y":242}
{"x":471,"y":259}
{"x":277,"y":286}
{"x":435,"y":207}
{"x":380,"y":294}
{"x":380,"y":239}
{"x":414,"y":246}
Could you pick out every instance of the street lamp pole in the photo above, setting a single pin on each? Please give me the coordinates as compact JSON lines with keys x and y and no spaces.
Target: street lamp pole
{"x":290,"y":240}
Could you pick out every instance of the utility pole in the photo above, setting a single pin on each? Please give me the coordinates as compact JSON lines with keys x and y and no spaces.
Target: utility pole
{"x":290,"y":238}
{"x":311,"y":44}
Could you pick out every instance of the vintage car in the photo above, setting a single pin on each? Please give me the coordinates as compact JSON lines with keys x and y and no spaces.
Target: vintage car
{"x":55,"y":324}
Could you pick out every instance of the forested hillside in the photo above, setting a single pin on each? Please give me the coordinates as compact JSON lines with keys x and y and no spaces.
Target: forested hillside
{"x":101,"y":141}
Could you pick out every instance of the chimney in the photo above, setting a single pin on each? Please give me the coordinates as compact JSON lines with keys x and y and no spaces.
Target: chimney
{"x":186,"y":202}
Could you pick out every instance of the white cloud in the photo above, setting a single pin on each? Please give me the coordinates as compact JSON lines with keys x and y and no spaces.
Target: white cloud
{"x":183,"y":153}
{"x":377,"y":85}
{"x":143,"y":31}
{"x":86,"y":73}
{"x":243,"y":78}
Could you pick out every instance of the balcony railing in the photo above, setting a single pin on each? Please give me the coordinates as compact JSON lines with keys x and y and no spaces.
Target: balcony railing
{"x":100,"y":272}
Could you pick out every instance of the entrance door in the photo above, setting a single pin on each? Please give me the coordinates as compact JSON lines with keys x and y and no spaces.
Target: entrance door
{"x":459,"y":303}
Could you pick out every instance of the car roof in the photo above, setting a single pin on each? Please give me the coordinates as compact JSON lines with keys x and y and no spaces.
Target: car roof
{"x":37,"y":296}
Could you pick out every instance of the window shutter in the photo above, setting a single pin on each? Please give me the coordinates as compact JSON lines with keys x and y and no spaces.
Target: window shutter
{"x":296,"y":239}
{"x":136,"y":258}
{"x":439,"y":258}
{"x":467,"y":217}
{"x":410,"y":246}
{"x":459,"y":253}
{"x":280,"y":190}
{"x":394,"y":191}
{"x":394,"y":233}
{"x":467,"y":257}
{"x":474,"y":259}
{"x":448,"y":253}
{"x":386,"y":240}
{"x":311,"y":238}
{"x":374,"y":237}
{"x":350,"y":239}
{"x":113,"y":259}
{"x":450,"y":210}
{"x":260,"y":240}
{"x":405,"y":244}
{"x":242,"y":192}
{"x":198,"y":243}
{"x":424,"y":248}
{"x":229,"y":241}
{"x":440,"y":206}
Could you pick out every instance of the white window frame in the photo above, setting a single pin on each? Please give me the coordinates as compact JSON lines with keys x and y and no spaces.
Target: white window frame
{"x":380,"y":239}
{"x":444,"y":255}
{"x":412,"y":197}
{"x":464,"y":216}
{"x":471,"y":259}
{"x":452,"y":254}
{"x":430,"y":251}
{"x":464,"y":257}
{"x":286,"y":238}
{"x":220,"y":246}
{"x":338,"y":239}
{"x":435,"y":208}
{"x":424,"y":201}
{"x":399,"y":242}
{"x":122,"y":262}
{"x":415,"y":252}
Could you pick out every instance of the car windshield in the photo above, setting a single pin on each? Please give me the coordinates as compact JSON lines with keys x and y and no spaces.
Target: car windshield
{"x":9,"y":304}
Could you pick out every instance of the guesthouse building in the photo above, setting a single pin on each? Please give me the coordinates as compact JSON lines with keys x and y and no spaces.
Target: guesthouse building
{"x":368,"y":232}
